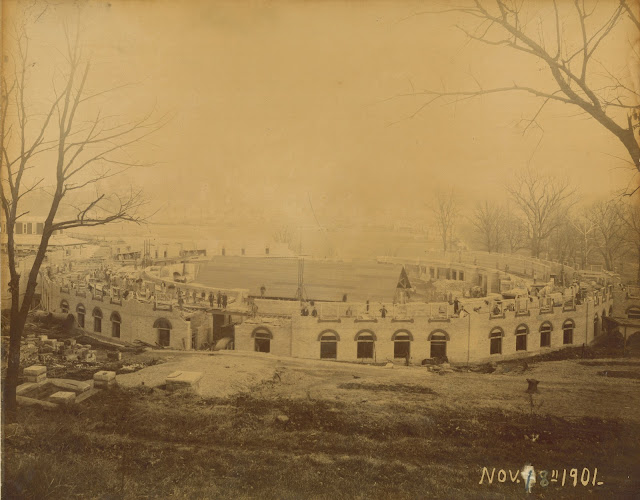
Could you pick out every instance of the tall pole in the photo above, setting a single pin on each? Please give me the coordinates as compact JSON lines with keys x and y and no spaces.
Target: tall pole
{"x":468,"y":336}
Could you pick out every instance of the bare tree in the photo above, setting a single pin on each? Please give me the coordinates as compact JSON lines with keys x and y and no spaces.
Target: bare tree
{"x":585,"y":232}
{"x":606,"y":217}
{"x":544,"y":201}
{"x":445,"y":210}
{"x":487,"y":219}
{"x":563,"y":242}
{"x":514,"y":230}
{"x":66,"y":154}
{"x":576,"y":77}
{"x":631,"y":219}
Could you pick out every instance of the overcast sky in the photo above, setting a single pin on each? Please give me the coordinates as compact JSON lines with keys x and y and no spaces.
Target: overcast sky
{"x":278,"y":106}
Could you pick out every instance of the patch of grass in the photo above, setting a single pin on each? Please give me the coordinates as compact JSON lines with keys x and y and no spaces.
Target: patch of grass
{"x":397,"y":388}
{"x":148,"y":443}
{"x":620,"y":374}
{"x":610,"y":363}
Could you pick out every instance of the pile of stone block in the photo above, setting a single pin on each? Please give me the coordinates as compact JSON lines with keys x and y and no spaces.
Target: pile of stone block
{"x":68,"y":349}
{"x":104,"y":379}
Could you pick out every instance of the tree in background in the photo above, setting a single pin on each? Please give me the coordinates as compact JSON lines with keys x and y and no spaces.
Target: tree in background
{"x":544,"y":202}
{"x":487,"y":219}
{"x":563,"y":243}
{"x":68,"y":150}
{"x":446,"y":212}
{"x":606,"y":217}
{"x":514,"y":230}
{"x":563,"y":39}
{"x":584,"y":230}
{"x":631,"y":219}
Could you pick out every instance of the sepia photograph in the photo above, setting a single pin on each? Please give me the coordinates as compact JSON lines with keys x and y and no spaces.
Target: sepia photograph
{"x":320,"y":249}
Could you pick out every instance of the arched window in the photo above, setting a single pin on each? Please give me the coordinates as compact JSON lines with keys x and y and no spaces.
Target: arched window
{"x":329,"y":344}
{"x":521,"y":337}
{"x":80,"y":312}
{"x":495,"y":336}
{"x":164,"y":328}
{"x":115,"y":324}
{"x":567,"y":331}
{"x":262,"y":339}
{"x":97,"y":320}
{"x":596,"y":325}
{"x":633,"y":312}
{"x":64,"y":306}
{"x":366,"y":342}
{"x":402,"y":344}
{"x":545,"y":334}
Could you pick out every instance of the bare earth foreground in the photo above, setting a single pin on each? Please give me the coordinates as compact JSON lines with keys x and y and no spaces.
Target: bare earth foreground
{"x":265,"y":427}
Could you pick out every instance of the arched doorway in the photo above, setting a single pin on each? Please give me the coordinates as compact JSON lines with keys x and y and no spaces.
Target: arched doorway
{"x":164,"y":327}
{"x":115,"y":324}
{"x":522,"y":332}
{"x":366,"y":344}
{"x":402,"y":344}
{"x":328,"y":344}
{"x":567,"y":332}
{"x":495,"y":339}
{"x":545,"y":334}
{"x":438,"y":344}
{"x":262,"y":339}
{"x":81,"y":312}
{"x":97,"y":320}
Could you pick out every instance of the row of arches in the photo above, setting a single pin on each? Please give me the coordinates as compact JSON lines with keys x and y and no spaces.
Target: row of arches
{"x":365,"y":343}
{"x":522,"y":332}
{"x":162,"y":325}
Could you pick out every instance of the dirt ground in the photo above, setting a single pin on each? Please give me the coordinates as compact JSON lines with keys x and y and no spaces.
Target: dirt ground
{"x":567,"y":389}
{"x":223,"y":375}
{"x":280,"y":428}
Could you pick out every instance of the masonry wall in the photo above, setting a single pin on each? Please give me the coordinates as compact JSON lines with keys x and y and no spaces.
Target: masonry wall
{"x":279,"y":328}
{"x":468,"y":336}
{"x":137,"y":319}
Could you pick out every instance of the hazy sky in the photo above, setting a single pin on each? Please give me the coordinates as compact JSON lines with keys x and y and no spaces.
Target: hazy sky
{"x":274,"y":104}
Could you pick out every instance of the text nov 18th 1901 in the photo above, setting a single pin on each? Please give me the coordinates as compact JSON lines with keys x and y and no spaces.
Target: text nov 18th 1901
{"x":529,"y":477}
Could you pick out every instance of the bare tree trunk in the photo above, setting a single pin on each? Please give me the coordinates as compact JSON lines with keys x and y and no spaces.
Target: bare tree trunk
{"x":19,"y":313}
{"x":15,"y":336}
{"x":638,"y":277}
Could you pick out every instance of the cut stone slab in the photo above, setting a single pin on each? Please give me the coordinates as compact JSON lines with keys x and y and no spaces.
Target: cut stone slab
{"x":25,"y":387}
{"x":104,"y":375}
{"x":35,"y":370}
{"x":36,"y":379}
{"x":103,"y":384}
{"x":184,"y":380}
{"x":63,"y":397}
{"x":22,"y":400}
{"x":104,"y":379}
{"x":76,"y":386}
{"x":86,"y":395}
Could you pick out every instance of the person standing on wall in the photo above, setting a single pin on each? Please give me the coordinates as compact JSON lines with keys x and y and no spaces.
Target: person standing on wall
{"x":383,"y":311}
